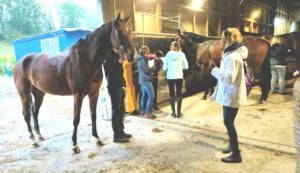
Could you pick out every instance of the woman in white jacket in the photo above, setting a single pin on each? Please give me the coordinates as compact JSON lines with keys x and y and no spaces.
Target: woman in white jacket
{"x":174,"y":64}
{"x":231,"y":87}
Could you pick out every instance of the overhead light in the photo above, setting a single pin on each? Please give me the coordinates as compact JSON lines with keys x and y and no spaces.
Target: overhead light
{"x":255,"y":14}
{"x":197,"y":4}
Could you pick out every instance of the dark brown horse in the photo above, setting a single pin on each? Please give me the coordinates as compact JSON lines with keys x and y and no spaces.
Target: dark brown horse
{"x":77,"y":72}
{"x":199,"y":55}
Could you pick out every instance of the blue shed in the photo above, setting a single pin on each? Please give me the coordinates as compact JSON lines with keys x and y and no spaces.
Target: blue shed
{"x":52,"y":42}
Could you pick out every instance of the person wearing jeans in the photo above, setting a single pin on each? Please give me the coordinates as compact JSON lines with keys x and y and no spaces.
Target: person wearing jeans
{"x":174,"y":64}
{"x":231,"y":88}
{"x":278,"y":67}
{"x":145,"y":80}
{"x":278,"y":73}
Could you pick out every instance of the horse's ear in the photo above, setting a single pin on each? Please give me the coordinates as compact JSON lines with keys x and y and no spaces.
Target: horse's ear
{"x":118,"y":17}
{"x":117,"y":21}
{"x":127,"y":19}
{"x":179,"y":32}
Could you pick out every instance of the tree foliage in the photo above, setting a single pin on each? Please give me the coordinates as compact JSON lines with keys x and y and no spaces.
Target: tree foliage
{"x":21,"y":18}
{"x":72,"y":16}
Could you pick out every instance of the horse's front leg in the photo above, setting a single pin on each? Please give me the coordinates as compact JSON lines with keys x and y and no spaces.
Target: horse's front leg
{"x":93,"y":99}
{"x":78,"y":98}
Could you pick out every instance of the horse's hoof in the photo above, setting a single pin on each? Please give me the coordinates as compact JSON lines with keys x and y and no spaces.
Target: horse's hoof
{"x":35,"y":144}
{"x":203,"y":98}
{"x":41,"y":138}
{"x":76,"y":150}
{"x":99,"y":143}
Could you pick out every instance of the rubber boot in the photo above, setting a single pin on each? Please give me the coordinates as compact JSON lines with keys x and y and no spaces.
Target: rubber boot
{"x":172,"y":103}
{"x":179,"y":102}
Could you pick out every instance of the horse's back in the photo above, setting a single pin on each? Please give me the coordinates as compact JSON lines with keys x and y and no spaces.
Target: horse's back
{"x":45,"y":72}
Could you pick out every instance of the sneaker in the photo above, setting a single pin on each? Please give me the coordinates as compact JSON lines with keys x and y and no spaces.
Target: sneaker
{"x":142,"y":114}
{"x":155,"y":108}
{"x":121,"y":139}
{"x":150,"y":116}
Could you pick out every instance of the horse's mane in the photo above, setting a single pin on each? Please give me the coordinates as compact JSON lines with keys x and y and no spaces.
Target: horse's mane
{"x":197,"y":38}
{"x":105,"y":28}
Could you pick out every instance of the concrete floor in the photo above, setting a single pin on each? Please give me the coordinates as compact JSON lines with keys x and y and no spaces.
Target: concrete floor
{"x":190,"y":144}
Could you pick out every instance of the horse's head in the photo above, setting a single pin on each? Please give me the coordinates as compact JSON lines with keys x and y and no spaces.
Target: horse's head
{"x":121,"y":38}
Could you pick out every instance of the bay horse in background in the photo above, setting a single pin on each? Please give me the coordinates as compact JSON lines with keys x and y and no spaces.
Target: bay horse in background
{"x":77,"y":72}
{"x":200,"y":53}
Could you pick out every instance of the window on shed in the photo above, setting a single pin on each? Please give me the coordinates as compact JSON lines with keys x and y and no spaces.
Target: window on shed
{"x":50,"y":45}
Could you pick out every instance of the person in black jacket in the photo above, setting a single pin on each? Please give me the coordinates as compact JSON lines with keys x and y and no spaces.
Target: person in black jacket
{"x":116,"y":89}
{"x":278,"y":66}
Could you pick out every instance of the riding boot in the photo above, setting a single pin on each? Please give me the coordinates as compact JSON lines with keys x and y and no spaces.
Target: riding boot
{"x":172,"y":103}
{"x":179,"y":102}
{"x":235,"y":157}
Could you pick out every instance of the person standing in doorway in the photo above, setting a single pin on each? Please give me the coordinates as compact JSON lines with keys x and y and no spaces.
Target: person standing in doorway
{"x":174,"y":64}
{"x":231,"y":88}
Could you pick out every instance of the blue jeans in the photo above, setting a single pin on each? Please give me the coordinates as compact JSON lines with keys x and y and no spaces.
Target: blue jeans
{"x":229,"y":114}
{"x":147,"y":88}
{"x":278,"y":73}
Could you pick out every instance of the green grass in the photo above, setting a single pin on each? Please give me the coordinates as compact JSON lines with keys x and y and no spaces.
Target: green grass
{"x":6,"y":48}
{"x":7,"y":57}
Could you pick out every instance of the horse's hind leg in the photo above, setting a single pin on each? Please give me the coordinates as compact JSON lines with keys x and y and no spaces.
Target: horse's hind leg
{"x":24,"y":89}
{"x":93,"y":98}
{"x":38,"y":100}
{"x":204,"y":97}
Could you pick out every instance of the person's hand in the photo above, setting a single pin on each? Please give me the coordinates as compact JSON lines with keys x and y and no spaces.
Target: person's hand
{"x":212,"y":64}
{"x":296,"y":73}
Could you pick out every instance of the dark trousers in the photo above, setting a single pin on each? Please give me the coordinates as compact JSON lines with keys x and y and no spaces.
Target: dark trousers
{"x":155,"y":86}
{"x":118,"y":110}
{"x":229,"y":115}
{"x":172,"y":83}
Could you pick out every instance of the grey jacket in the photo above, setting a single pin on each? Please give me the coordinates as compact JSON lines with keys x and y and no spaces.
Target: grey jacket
{"x":144,"y":71}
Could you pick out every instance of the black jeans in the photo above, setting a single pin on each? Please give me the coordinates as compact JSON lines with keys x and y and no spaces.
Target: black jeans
{"x":117,"y":101}
{"x":172,"y":83}
{"x":155,"y":86}
{"x":229,"y":114}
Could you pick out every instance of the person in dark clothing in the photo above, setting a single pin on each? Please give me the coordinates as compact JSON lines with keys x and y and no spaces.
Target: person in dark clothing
{"x":157,"y":67}
{"x":116,"y":89}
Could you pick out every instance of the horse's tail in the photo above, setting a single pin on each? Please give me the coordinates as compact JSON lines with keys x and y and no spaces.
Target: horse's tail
{"x":265,"y":76}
